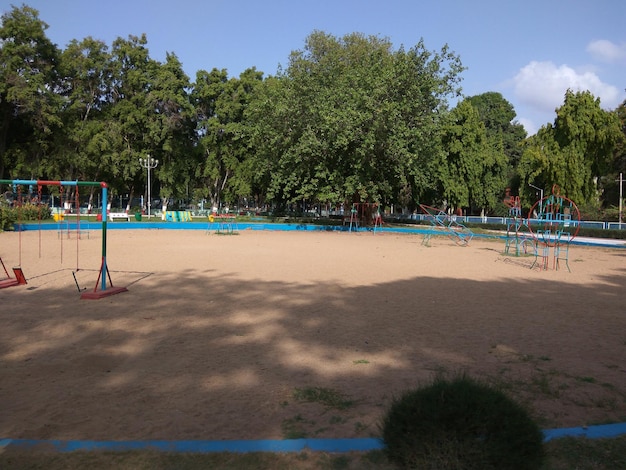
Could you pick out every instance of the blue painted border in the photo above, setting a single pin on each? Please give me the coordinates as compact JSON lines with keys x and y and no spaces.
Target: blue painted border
{"x":598,"y":242}
{"x":288,"y":445}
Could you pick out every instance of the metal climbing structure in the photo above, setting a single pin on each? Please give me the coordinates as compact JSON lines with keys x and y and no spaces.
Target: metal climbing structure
{"x":519,"y":238}
{"x":447,"y":225}
{"x":366,"y":215}
{"x":557,"y":225}
{"x":223,"y":224}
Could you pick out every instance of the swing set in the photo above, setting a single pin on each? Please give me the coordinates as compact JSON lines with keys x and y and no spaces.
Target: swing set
{"x":103,"y":273}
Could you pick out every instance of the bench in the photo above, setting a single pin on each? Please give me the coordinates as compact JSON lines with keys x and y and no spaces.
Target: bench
{"x":118,"y":215}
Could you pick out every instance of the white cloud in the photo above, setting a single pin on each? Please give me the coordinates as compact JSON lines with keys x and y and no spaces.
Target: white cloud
{"x":529,"y":125}
{"x":606,"y":51}
{"x":542,"y":86}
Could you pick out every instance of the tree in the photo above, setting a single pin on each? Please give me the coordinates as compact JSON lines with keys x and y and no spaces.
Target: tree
{"x":472,"y":170}
{"x":224,"y":145}
{"x":352,"y":120}
{"x":130,"y":115}
{"x":498,"y":116}
{"x":611,"y":184}
{"x":575,"y":151}
{"x":28,"y":84}
{"x":619,"y":159}
{"x":503,"y":131}
{"x":171,"y":126}
{"x":85,"y":85}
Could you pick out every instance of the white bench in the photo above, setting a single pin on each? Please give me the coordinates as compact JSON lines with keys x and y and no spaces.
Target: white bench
{"x":118,"y":215}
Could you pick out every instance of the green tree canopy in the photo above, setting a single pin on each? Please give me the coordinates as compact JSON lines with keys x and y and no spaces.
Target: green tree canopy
{"x":498,"y":116}
{"x":472,"y":167}
{"x":575,"y":151}
{"x":353,"y":120}
{"x":29,"y":102}
{"x":223,"y":149}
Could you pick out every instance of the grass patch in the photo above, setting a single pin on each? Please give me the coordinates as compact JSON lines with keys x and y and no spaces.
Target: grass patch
{"x":600,"y":454}
{"x":544,"y":383}
{"x":295,"y":428}
{"x":359,"y":427}
{"x":337,"y":420}
{"x":325,"y":396}
{"x":589,"y":380}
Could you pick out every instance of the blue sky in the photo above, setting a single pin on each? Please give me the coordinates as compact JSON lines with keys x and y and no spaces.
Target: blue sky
{"x":531,"y":51}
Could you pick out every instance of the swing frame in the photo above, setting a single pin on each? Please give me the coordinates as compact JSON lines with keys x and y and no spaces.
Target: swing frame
{"x":105,"y":290}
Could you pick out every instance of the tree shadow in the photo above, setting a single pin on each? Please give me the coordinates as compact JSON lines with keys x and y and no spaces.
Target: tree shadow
{"x":199,"y":354}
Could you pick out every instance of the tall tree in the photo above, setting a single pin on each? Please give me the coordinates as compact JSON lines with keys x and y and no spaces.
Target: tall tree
{"x":28,"y":85}
{"x":472,"y":170}
{"x":498,"y":116}
{"x":130,"y":114}
{"x":171,"y":126}
{"x":86,"y":88}
{"x":503,"y":131}
{"x":224,"y":162}
{"x":575,"y":151}
{"x":620,"y":149}
{"x":353,"y":119}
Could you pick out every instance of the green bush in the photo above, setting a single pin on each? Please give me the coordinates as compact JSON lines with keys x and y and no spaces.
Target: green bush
{"x":7,"y":218}
{"x":25,"y":213}
{"x":461,"y":424}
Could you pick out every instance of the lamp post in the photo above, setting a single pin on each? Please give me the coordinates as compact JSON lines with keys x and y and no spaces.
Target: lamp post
{"x":540,"y":199}
{"x":148,"y":163}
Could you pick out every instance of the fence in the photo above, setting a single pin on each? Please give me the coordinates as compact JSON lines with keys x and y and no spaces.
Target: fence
{"x":505,"y":220}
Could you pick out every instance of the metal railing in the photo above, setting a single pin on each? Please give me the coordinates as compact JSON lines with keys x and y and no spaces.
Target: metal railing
{"x":597,"y":224}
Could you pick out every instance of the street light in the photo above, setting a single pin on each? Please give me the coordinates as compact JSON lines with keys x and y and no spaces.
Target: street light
{"x":541,"y":199}
{"x":148,"y":163}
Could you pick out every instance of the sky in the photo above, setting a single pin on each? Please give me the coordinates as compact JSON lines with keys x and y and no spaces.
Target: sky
{"x":530,"y":51}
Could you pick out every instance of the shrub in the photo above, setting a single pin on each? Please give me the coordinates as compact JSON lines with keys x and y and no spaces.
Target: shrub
{"x":27,"y":212}
{"x":461,"y":424}
{"x":7,"y":218}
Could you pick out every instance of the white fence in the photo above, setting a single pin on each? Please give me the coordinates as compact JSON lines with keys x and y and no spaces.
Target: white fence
{"x":505,"y":220}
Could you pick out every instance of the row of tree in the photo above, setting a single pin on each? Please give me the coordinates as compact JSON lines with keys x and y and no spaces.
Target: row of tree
{"x":350,"y":119}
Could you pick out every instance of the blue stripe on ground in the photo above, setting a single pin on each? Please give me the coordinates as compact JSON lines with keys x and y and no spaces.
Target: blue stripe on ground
{"x":273,"y":226}
{"x":241,"y":446}
{"x":288,"y":445}
{"x":590,"y":432}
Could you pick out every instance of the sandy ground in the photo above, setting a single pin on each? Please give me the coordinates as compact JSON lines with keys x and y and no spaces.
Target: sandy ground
{"x":216,"y":333}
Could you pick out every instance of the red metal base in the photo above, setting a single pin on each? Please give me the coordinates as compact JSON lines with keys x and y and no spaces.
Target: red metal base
{"x":9,"y":283}
{"x":19,"y":279}
{"x":95,"y":295}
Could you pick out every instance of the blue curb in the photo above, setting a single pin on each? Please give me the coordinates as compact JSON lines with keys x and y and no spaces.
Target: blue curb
{"x":289,"y":445}
{"x":243,"y":446}
{"x":590,"y":432}
{"x":272,"y":226}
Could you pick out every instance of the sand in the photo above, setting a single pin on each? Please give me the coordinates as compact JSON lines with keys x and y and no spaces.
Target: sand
{"x":217,"y":334}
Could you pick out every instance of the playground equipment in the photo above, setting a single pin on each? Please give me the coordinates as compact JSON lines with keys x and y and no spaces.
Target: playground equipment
{"x":9,"y":281}
{"x":104,"y":269}
{"x":558,"y":225}
{"x":178,"y":216}
{"x":364,"y":214}
{"x":447,"y":225}
{"x":519,"y":237}
{"x":223,"y":224}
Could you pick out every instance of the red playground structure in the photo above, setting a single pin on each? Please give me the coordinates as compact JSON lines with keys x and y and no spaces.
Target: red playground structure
{"x":9,"y":281}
